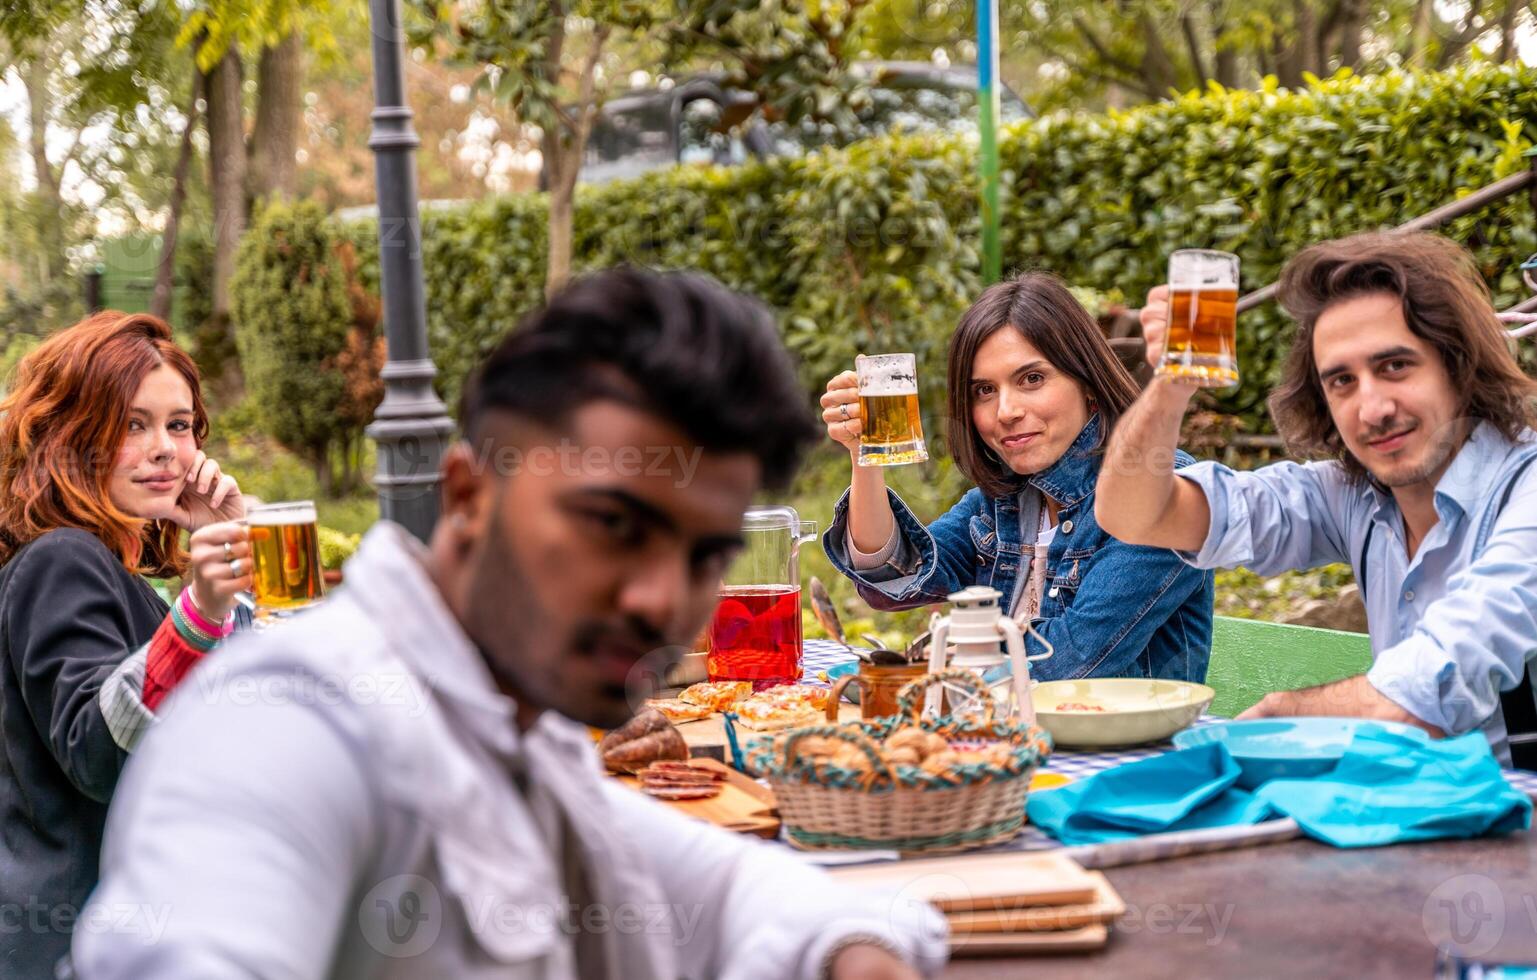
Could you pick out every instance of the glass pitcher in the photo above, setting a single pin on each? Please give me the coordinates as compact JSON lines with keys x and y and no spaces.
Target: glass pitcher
{"x":756,"y":632}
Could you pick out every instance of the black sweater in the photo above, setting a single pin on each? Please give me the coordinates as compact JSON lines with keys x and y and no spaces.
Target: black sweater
{"x":70,"y":613}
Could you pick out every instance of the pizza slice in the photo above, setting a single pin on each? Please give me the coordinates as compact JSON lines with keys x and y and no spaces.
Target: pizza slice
{"x":772,"y":715}
{"x":676,"y":710}
{"x":797,"y":694}
{"x":717,"y":695}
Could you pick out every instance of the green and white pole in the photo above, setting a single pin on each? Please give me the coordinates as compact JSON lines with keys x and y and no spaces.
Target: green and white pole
{"x":987,"y":112}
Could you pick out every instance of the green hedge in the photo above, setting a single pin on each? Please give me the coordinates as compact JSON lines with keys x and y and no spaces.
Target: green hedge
{"x":293,"y":316}
{"x":875,"y":247}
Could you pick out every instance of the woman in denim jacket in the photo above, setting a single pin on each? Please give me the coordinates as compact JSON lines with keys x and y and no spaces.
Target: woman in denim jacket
{"x":1034,"y":390}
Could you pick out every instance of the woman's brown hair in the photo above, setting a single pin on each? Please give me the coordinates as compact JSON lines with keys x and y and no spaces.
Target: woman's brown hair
{"x":1445,"y":303}
{"x":61,"y":427}
{"x":1039,"y":306}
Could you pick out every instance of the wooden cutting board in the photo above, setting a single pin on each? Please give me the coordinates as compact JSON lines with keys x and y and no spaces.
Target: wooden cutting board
{"x":1082,"y":940}
{"x":981,"y":882}
{"x":743,"y":805}
{"x":1105,"y":907}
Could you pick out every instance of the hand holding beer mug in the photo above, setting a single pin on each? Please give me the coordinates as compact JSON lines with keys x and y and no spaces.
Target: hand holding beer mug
{"x":1200,"y":346}
{"x":891,"y":433}
{"x":285,"y":556}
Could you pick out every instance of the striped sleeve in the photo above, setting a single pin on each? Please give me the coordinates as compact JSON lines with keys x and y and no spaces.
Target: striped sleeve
{"x":132,"y":693}
{"x":122,"y":703}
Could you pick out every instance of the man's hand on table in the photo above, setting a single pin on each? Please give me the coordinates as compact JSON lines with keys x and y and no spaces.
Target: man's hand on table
{"x":864,"y":961}
{"x":1354,"y":697}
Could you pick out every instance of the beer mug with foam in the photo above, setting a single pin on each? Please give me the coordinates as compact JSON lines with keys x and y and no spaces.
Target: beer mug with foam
{"x":888,"y":405}
{"x":1203,"y":317}
{"x":285,"y":555}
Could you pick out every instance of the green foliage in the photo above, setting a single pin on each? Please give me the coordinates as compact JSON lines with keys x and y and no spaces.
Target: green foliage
{"x":335,"y":547}
{"x":875,"y":247}
{"x":293,"y":316}
{"x":1246,"y":595}
{"x":16,"y":347}
{"x":210,"y":27}
{"x":1102,"y":200}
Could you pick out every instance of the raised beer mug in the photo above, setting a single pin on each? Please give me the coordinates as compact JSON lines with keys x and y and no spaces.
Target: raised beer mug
{"x":1202,"y":347}
{"x":888,"y":406}
{"x":285,"y":555}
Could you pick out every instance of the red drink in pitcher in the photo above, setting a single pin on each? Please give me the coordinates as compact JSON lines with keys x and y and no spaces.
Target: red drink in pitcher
{"x":756,"y":635}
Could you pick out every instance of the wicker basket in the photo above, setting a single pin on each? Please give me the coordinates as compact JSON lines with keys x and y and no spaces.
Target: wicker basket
{"x":903,"y":807}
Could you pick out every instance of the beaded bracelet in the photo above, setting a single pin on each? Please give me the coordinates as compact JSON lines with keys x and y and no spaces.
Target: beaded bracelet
{"x":193,"y":626}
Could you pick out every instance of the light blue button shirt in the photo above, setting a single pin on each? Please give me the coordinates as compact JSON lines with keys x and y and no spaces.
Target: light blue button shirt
{"x":1450,"y":629}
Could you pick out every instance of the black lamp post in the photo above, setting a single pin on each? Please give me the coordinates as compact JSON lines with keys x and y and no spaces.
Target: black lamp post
{"x":411,"y":426}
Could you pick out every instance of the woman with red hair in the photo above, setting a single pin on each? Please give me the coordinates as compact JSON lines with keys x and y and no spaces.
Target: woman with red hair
{"x":101,"y":471}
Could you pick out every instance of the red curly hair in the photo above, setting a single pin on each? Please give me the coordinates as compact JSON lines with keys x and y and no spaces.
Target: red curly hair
{"x":62,"y":424}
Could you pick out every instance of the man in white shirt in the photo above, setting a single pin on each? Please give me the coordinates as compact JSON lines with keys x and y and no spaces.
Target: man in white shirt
{"x":400,"y":783}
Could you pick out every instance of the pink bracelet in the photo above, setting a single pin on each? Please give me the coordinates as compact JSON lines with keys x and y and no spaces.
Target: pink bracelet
{"x":195,"y":616}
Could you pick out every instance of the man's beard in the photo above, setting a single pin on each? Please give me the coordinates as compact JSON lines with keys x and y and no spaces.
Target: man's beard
{"x":514,"y":631}
{"x":1440,"y":447}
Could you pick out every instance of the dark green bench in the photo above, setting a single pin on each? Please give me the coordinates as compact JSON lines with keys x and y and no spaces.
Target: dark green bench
{"x":1250,"y":658}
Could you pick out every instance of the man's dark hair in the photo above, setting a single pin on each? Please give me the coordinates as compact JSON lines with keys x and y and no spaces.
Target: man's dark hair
{"x":1445,"y":303}
{"x":679,"y":346}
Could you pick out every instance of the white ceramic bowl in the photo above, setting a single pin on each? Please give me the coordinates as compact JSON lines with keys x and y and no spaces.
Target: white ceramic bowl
{"x":1134,"y":710}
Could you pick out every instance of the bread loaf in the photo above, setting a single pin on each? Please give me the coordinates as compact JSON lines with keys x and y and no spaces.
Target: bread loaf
{"x":648,"y":737}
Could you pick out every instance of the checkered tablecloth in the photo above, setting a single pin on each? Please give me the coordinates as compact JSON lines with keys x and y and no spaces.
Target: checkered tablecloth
{"x":822,"y":654}
{"x":819,"y":655}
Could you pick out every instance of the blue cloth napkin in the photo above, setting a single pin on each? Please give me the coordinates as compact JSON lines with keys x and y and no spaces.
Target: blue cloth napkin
{"x":1390,"y":788}
{"x":1187,"y":789}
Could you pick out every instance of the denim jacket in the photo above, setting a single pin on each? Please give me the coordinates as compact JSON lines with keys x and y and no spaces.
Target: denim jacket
{"x":1109,"y":609}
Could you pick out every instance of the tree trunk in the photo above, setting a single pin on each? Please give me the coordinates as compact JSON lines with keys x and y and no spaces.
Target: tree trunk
{"x":1288,"y":64}
{"x":564,"y":145}
{"x":279,"y":119}
{"x":562,"y":164}
{"x":1508,"y":31}
{"x":1193,"y":43}
{"x":1419,"y":35}
{"x":34,"y":74}
{"x":1309,"y":44}
{"x":1157,"y":67}
{"x":1352,"y":21}
{"x":165,"y":274}
{"x":227,"y":174}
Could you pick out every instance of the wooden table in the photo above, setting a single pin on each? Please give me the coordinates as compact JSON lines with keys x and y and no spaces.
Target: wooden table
{"x":1307,"y":910}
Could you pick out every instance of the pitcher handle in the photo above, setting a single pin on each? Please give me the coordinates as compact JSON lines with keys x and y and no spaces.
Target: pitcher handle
{"x":805,"y":532}
{"x":837,"y":693}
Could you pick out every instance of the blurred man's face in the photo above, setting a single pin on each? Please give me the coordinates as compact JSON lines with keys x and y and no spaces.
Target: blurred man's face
{"x":600,"y":556}
{"x":1389,"y":392}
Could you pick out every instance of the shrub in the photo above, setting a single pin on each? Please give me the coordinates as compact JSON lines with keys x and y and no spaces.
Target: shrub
{"x":293,"y":318}
{"x":875,"y":247}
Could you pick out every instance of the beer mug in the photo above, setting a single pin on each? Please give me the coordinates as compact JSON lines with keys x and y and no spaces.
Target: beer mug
{"x":888,"y":406}
{"x":285,"y":555}
{"x":1203,"y":318}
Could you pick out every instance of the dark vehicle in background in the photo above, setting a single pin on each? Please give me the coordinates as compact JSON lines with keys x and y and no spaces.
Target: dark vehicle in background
{"x":700,"y":119}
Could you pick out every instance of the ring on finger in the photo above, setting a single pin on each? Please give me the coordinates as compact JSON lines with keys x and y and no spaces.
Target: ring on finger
{"x":234,"y":567}
{"x":228,"y":551}
{"x":843,"y":410}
